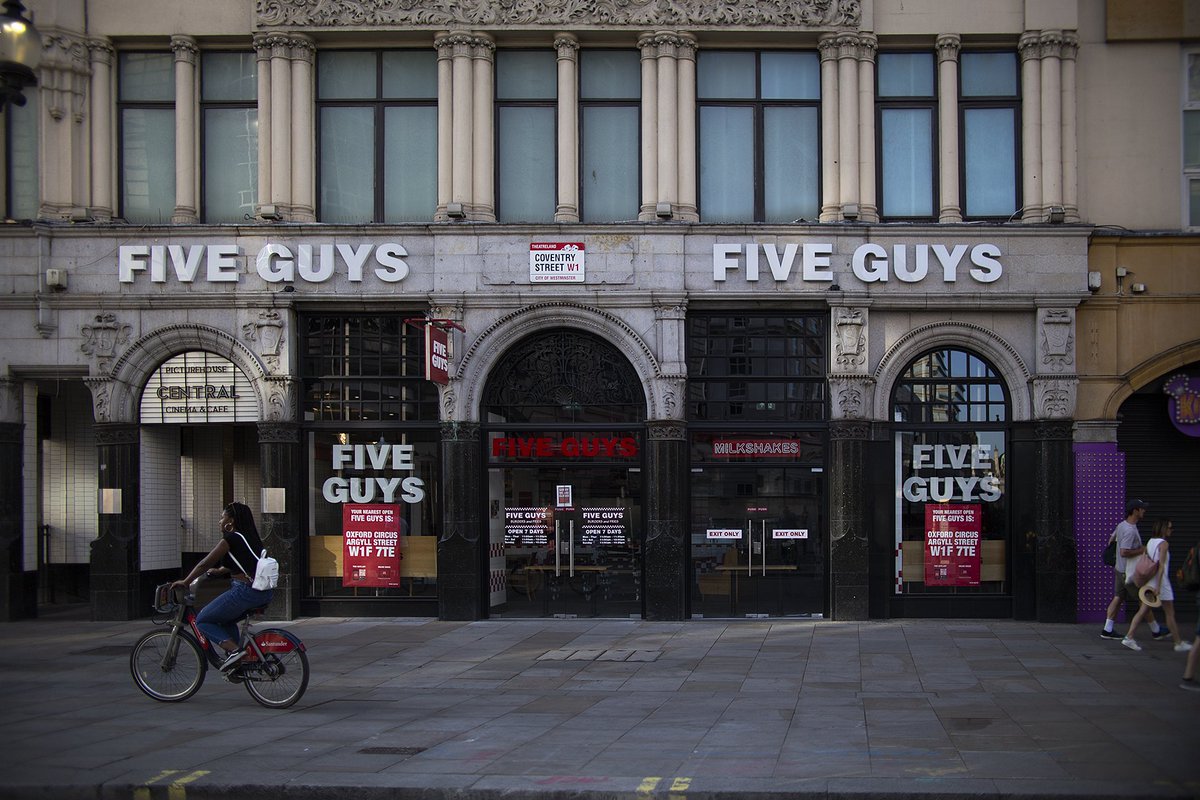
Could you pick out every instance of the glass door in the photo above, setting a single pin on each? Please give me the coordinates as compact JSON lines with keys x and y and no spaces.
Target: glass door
{"x":571,"y":541}
{"x":758,"y":539}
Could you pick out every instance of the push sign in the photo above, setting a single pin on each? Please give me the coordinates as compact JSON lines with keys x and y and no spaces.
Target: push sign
{"x":556,"y":262}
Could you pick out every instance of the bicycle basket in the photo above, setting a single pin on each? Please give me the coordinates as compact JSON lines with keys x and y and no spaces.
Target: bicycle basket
{"x":164,"y":599}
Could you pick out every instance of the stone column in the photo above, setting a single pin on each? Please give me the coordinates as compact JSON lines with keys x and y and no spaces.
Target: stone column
{"x":848,"y":126}
{"x":459,"y":556}
{"x":281,"y":123}
{"x":262,"y":57}
{"x":187,"y":55}
{"x":848,"y":551}
{"x":668,"y":119}
{"x":868,"y":203}
{"x":1030,"y":50}
{"x":830,"y":180}
{"x":304,"y":55}
{"x":115,"y":558}
{"x":484,"y":195}
{"x":685,"y":88}
{"x":649,"y":52}
{"x":282,"y":464}
{"x":948,"y":169}
{"x":567,"y":48}
{"x":18,"y":592}
{"x":102,"y":56}
{"x":1052,"y":173}
{"x":1070,"y":155}
{"x":664,"y":560}
{"x":445,"y":124}
{"x":463,"y":106}
{"x":1053,"y":521}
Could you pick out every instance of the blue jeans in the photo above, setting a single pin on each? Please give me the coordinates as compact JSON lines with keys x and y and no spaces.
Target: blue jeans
{"x":218,"y":620}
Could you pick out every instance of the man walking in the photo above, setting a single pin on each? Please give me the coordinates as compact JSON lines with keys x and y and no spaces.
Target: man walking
{"x":1129,"y":545}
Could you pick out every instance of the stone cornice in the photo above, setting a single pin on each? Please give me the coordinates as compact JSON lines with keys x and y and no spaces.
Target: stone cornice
{"x":820,"y":14}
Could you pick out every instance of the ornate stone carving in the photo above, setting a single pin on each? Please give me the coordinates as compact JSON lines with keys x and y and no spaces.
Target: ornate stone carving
{"x":1056,"y":339}
{"x":850,"y":430}
{"x":64,"y":75}
{"x":948,"y":45}
{"x":267,"y":332}
{"x":1030,"y":46}
{"x":278,"y":433}
{"x":186,"y":50}
{"x":116,"y":434}
{"x":101,"y":339}
{"x":850,"y":337}
{"x":101,"y":389}
{"x":1054,"y":399}
{"x":460,"y":431}
{"x":608,"y":13}
{"x":666,"y":431}
{"x":280,"y":399}
{"x":851,"y":397}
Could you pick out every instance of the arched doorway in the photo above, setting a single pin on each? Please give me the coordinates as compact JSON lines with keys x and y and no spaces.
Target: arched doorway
{"x":563,"y":420}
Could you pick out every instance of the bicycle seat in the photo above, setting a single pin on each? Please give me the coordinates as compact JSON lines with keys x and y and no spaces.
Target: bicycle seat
{"x":257,"y":612}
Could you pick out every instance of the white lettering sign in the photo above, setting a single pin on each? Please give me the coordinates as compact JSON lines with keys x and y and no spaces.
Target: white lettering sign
{"x":274,"y":263}
{"x":870,"y":263}
{"x":378,"y":456}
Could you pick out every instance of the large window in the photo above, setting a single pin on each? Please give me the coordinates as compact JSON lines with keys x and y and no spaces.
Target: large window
{"x":609,"y":118}
{"x":22,"y":193}
{"x":952,"y":532}
{"x":752,"y":368}
{"x":1191,"y":139}
{"x":759,"y":136}
{"x":907,"y":104}
{"x":989,"y":102}
{"x":526,"y":102}
{"x":229,"y":83}
{"x":146,"y":89}
{"x":378,"y":135}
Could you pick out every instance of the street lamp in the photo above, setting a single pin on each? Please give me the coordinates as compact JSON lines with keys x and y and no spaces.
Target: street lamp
{"x":20,"y":53}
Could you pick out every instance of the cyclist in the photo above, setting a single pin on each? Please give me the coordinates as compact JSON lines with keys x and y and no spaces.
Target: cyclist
{"x":238,"y":549}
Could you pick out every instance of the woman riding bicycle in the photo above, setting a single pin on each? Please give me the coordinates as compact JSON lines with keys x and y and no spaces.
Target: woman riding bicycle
{"x":238,"y":549}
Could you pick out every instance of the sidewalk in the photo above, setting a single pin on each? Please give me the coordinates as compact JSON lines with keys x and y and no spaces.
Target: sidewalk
{"x":591,"y":709}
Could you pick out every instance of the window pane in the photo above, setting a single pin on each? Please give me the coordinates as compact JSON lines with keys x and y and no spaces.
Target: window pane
{"x":148,"y":164}
{"x":610,"y":74}
{"x":991,"y":162}
{"x":725,"y":75}
{"x":1191,"y":139}
{"x":1193,"y":204}
{"x":610,"y":165}
{"x":526,"y":179}
{"x":905,"y":75}
{"x":23,"y":189}
{"x":907,"y":136}
{"x":345,"y":75}
{"x":726,"y":164}
{"x":229,"y":77}
{"x":410,"y":74}
{"x":409,"y":164}
{"x":1193,"y":78}
{"x":790,"y":162}
{"x":791,"y":76}
{"x":230,"y":164}
{"x":147,"y":77}
{"x":989,"y":74}
{"x":526,"y":75}
{"x":347,"y":164}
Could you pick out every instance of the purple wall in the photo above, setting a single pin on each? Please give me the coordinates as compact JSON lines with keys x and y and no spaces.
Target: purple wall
{"x":1099,"y":506}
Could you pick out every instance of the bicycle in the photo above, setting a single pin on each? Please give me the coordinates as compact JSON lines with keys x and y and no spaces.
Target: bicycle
{"x":170,"y":665}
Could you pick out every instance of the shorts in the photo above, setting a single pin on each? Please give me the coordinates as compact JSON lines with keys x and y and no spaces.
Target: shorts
{"x":1123,"y":590}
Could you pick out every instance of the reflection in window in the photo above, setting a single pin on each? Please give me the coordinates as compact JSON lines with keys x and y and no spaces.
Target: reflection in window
{"x":229,"y":114}
{"x":526,"y":103}
{"x":907,"y":103}
{"x":989,"y":103}
{"x":146,"y":96}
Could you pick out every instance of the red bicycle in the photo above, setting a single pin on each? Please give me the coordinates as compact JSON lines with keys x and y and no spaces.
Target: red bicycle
{"x":169,"y":665}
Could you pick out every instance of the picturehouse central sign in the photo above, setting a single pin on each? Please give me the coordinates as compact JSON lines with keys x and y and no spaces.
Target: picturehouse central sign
{"x":198,"y":387}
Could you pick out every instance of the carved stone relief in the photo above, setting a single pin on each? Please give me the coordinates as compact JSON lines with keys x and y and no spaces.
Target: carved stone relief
{"x":280,"y":397}
{"x":609,"y":13}
{"x":101,"y":339}
{"x":852,"y":397}
{"x":1056,"y":340}
{"x":267,"y":331}
{"x":850,"y":338}
{"x":1054,"y":399}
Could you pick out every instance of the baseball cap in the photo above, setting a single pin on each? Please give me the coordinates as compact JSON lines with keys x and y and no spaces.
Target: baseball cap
{"x":1134,"y":505}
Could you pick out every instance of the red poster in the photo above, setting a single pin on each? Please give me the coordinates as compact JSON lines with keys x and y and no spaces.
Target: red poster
{"x":371,"y":547}
{"x":952,"y":544}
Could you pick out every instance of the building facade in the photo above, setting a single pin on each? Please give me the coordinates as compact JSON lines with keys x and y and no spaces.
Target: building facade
{"x":637,"y":309}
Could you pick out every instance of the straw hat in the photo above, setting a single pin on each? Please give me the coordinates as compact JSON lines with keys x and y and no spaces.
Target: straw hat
{"x":1149,"y":596}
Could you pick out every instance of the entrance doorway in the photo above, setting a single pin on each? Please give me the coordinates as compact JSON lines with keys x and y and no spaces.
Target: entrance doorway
{"x":758,"y":542}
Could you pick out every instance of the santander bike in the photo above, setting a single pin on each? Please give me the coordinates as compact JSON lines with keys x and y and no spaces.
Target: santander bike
{"x":170,"y":664}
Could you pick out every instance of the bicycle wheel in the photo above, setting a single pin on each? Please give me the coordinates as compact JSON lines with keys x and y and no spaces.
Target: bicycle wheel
{"x":279,"y":680}
{"x":166,"y":676}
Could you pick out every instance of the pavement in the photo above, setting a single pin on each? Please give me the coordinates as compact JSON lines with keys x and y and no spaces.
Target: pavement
{"x":581,"y":709}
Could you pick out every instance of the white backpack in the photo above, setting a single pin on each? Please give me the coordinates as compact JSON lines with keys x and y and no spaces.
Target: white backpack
{"x":266,"y":574}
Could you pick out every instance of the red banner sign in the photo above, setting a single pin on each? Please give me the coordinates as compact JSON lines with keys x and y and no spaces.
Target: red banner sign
{"x":437,"y":354}
{"x":952,"y":544}
{"x":371,"y":545}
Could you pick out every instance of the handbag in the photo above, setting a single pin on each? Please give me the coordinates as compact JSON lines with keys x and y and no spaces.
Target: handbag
{"x":1110,"y":553}
{"x":266,"y":573}
{"x":1145,"y":569}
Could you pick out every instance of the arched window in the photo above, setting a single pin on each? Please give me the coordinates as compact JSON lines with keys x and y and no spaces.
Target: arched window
{"x":564,"y":376}
{"x":950,"y":408}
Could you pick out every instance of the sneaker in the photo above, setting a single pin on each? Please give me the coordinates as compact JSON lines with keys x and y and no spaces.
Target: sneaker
{"x":1190,"y":685}
{"x":1183,"y":647}
{"x":1126,"y":642}
{"x":1109,"y":634}
{"x":237,"y":655}
{"x":1163,"y":633}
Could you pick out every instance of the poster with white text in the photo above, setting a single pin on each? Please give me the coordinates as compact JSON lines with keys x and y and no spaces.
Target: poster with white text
{"x":952,"y":544}
{"x":371,"y":545}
